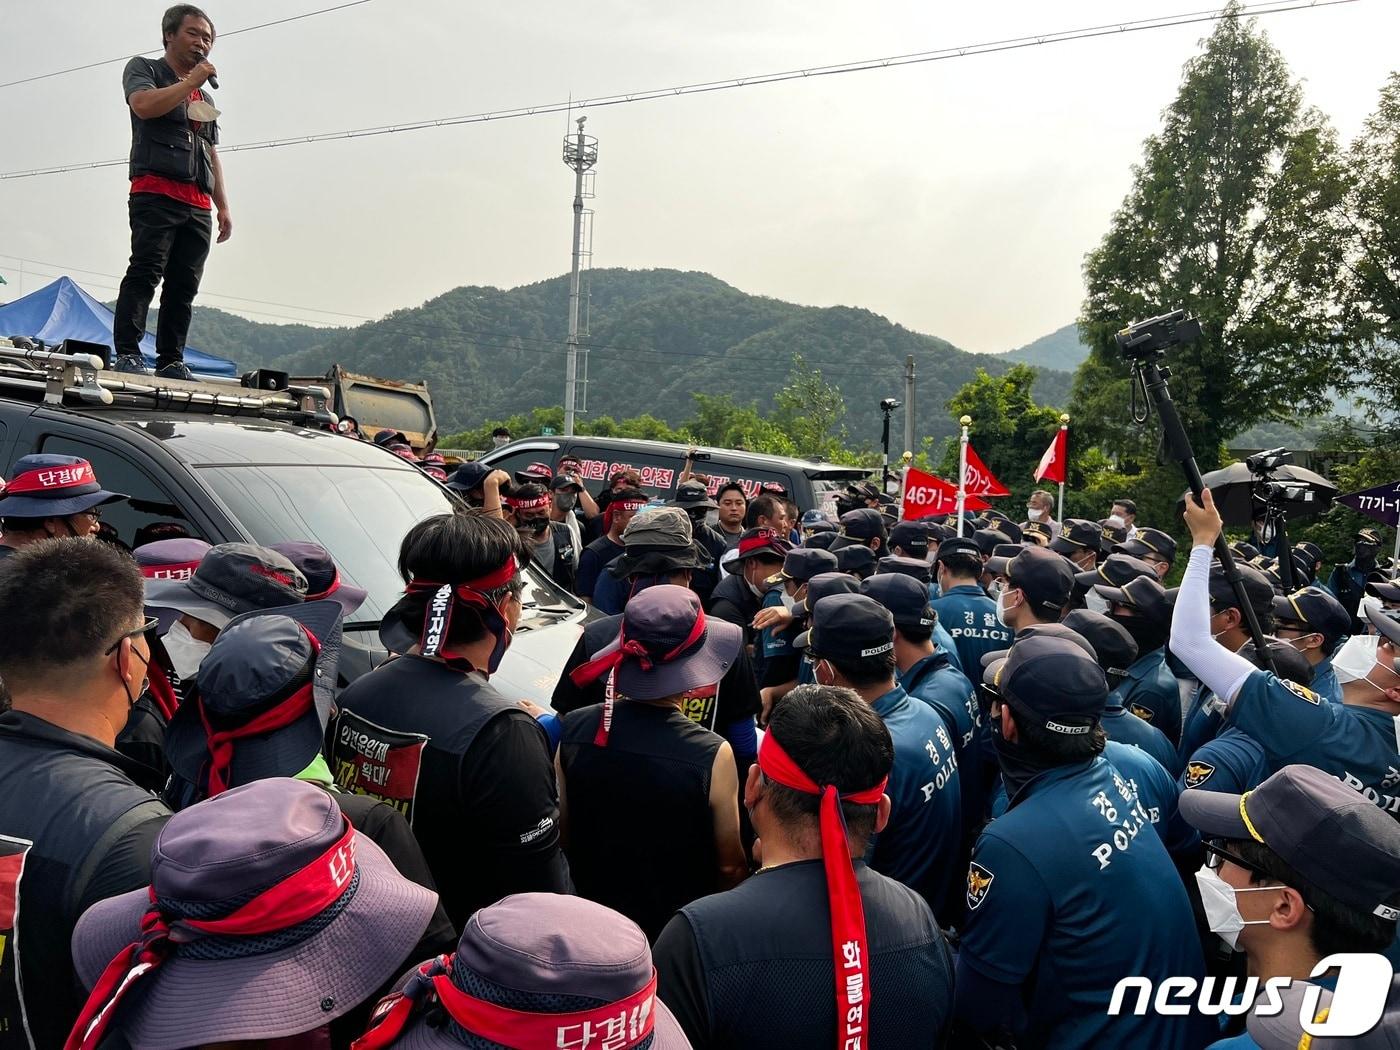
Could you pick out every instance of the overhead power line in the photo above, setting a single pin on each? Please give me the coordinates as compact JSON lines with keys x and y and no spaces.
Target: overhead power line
{"x":222,"y":36}
{"x":942,"y":54}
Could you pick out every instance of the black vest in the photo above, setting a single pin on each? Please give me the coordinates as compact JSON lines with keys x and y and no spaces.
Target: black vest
{"x":641,"y":837}
{"x":400,"y":736}
{"x":166,"y":146}
{"x":65,"y":801}
{"x":565,"y":572}
{"x":765,"y":948}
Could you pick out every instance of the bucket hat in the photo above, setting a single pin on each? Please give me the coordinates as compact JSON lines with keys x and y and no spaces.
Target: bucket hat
{"x":266,"y":693}
{"x":315,"y":919}
{"x":323,"y":578}
{"x":534,"y":969}
{"x":49,"y":486}
{"x":231,"y":579}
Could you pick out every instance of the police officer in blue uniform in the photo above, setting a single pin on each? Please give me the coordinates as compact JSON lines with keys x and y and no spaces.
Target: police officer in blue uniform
{"x":1348,"y":582}
{"x":1227,"y":626}
{"x":1148,"y":689}
{"x":1355,"y":740}
{"x":851,"y":644}
{"x":1068,"y":891}
{"x":774,"y":621}
{"x":818,"y":587}
{"x":963,"y":607}
{"x":922,"y":571}
{"x":1315,"y":624}
{"x":1115,"y":651}
{"x":926,"y":673}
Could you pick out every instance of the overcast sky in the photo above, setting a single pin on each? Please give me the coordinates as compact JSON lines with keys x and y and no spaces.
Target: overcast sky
{"x":957,"y":197}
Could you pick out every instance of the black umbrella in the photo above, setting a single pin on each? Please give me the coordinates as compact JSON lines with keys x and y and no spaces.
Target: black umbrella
{"x":1240,"y":494}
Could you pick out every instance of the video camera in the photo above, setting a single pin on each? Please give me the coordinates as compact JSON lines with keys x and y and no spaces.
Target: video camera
{"x":1263,"y":463}
{"x":1289,"y":491}
{"x":1152,"y":337}
{"x":889,"y":404}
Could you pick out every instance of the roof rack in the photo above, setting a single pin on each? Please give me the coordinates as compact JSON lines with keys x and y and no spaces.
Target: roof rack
{"x":74,"y":373}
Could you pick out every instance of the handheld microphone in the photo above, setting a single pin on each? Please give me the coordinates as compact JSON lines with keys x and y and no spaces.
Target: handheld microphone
{"x":213,"y":81}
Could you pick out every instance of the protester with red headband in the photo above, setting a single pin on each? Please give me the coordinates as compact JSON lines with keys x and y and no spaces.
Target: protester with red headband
{"x":267,"y":920}
{"x":678,"y":779}
{"x":816,"y":949}
{"x":76,"y":817}
{"x":537,"y":970}
{"x":550,"y":543}
{"x":49,"y":496}
{"x":624,"y":503}
{"x":427,"y":732}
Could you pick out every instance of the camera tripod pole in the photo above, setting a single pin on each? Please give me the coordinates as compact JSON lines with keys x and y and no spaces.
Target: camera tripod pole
{"x":1178,"y":447}
{"x":1285,"y":552}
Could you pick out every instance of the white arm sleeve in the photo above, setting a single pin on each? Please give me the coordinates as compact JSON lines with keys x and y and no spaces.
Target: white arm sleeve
{"x":1221,"y":671}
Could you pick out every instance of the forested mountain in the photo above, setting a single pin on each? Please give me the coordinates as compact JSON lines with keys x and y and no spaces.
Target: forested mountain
{"x":657,"y":336}
{"x":1061,"y":350}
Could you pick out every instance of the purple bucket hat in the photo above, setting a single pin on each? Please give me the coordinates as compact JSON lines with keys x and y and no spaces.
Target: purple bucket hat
{"x":232,"y":578}
{"x":540,"y":954}
{"x":663,"y":620}
{"x":323,"y":578}
{"x":173,"y":559}
{"x":210,"y":859}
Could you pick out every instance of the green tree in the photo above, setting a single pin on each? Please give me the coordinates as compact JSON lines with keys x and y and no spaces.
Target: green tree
{"x":1229,"y":216}
{"x":1373,"y":274}
{"x":809,"y":411}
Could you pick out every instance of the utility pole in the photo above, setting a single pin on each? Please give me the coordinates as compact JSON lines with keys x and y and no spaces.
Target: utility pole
{"x":909,"y":403}
{"x":580,"y":153}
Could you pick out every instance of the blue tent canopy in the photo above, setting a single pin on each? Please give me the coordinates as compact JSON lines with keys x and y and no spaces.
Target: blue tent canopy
{"x":62,"y":310}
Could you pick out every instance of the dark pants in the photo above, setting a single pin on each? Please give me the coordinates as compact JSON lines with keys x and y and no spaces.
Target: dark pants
{"x":169,"y":243}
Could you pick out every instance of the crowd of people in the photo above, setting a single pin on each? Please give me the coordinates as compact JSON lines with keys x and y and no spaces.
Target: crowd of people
{"x":804,"y":780}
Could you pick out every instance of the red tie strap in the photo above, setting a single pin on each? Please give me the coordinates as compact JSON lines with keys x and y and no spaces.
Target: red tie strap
{"x":587,"y":674}
{"x":158,"y":682}
{"x":617,"y":1026}
{"x":849,"y":950}
{"x":276,"y":717}
{"x":303,"y":895}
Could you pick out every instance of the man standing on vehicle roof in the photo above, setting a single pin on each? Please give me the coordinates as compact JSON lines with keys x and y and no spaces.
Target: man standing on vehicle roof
{"x":176,"y":178}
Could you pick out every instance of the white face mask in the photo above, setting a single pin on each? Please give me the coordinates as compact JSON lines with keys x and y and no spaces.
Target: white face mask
{"x":712,"y":518}
{"x":1222,"y":910}
{"x":1371,"y":602}
{"x":1096,"y":602}
{"x":186,"y":652}
{"x":1116,"y":521}
{"x":1001,"y":609}
{"x":788,"y":600}
{"x":499,"y":441}
{"x":1034,"y":513}
{"x":1354,"y":660}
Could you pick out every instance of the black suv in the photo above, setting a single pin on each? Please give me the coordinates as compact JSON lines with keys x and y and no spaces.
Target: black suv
{"x":262,"y":480}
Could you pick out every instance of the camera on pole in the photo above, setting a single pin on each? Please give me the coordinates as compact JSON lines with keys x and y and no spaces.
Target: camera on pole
{"x":887,"y":406}
{"x":1144,"y":345}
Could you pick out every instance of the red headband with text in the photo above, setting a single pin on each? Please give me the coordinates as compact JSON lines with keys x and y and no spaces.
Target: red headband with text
{"x":849,"y":950}
{"x":617,"y":1026}
{"x":52,"y":479}
{"x":473,"y":593}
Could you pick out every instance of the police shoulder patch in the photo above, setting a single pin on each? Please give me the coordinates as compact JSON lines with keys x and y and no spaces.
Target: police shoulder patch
{"x":1145,"y":713}
{"x":979,"y":884}
{"x":1197,"y":773}
{"x":1302,"y":692}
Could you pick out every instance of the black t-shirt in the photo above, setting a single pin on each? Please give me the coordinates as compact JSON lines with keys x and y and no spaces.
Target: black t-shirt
{"x":469,"y":769}
{"x":753,"y":966}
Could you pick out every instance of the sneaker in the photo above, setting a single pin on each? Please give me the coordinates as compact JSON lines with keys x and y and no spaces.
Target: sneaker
{"x":174,"y":370}
{"x":129,"y":363}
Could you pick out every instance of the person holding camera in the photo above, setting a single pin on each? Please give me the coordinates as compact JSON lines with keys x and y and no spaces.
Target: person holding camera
{"x":176,"y":180}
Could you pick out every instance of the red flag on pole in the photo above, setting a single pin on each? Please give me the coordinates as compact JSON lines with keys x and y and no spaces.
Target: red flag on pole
{"x":980,"y":480}
{"x":1052,"y":464}
{"x":926,"y":495}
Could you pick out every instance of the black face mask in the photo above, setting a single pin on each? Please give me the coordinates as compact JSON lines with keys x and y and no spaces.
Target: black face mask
{"x":1017,"y":768}
{"x":1365,"y":557}
{"x":1146,"y":633}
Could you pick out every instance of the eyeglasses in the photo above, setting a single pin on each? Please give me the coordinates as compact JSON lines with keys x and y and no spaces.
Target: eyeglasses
{"x":1217,"y":855}
{"x":149,"y":624}
{"x":95,"y":513}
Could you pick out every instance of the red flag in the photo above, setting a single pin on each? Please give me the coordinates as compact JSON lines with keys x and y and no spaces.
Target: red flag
{"x":926,"y":495}
{"x":1052,"y":464}
{"x":980,"y":480}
